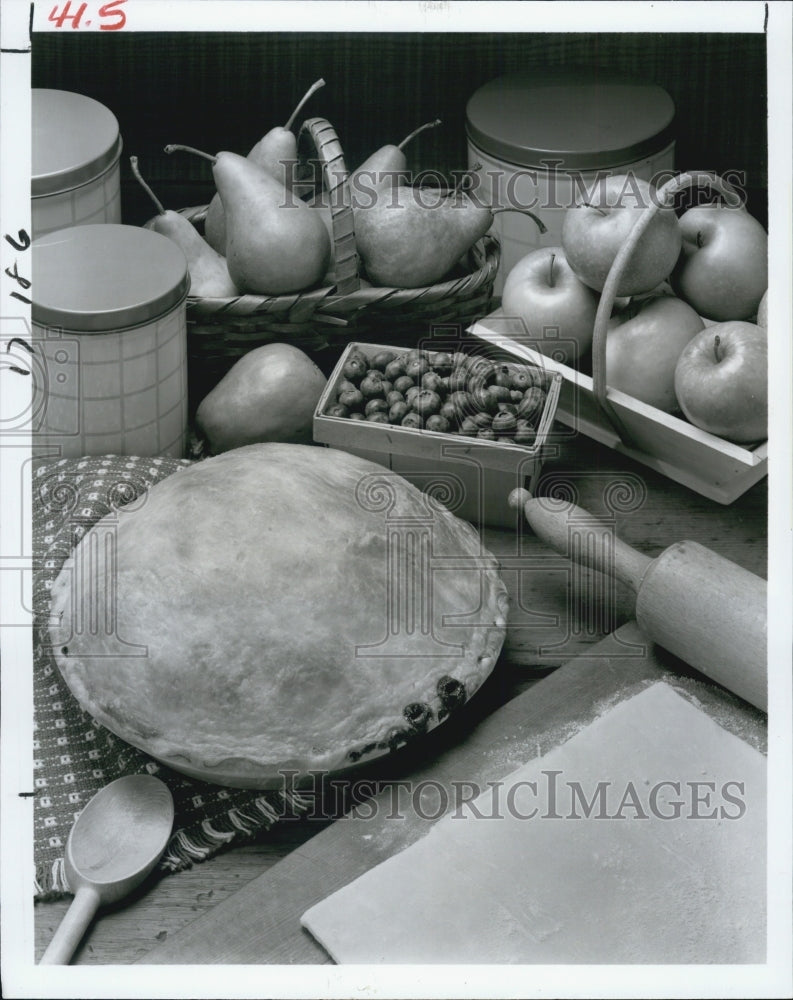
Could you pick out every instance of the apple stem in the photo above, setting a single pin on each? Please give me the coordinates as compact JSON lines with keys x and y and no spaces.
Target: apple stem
{"x":600,"y":211}
{"x":133,"y":161}
{"x":175,"y":147}
{"x":311,"y":90}
{"x":716,"y":342}
{"x":550,"y":271}
{"x":418,"y":131}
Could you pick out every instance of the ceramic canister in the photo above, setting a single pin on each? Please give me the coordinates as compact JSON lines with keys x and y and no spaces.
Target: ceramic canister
{"x":76,"y":148}
{"x":543,"y":138}
{"x":109,"y":325}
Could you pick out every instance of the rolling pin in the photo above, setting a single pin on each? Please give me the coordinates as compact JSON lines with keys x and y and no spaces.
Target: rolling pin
{"x":701,"y":607}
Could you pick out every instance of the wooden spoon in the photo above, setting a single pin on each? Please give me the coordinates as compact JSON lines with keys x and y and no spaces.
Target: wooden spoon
{"x":114,"y":844}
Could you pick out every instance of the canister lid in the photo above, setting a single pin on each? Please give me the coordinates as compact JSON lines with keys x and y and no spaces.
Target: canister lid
{"x":98,"y":278}
{"x":587,"y":118}
{"x":74,"y":140}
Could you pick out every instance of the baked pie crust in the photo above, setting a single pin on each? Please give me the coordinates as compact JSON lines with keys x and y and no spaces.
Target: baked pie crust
{"x":277,"y":608}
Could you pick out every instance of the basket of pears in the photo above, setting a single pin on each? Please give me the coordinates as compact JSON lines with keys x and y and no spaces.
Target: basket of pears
{"x":295,"y":247}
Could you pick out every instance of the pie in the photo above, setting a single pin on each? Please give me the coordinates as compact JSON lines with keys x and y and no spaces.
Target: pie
{"x":277,"y":608}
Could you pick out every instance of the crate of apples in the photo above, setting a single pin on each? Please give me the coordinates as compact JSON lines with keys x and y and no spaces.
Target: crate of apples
{"x":657,"y":324}
{"x":470,"y":426}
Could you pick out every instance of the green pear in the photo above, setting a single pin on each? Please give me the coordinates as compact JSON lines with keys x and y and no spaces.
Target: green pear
{"x":275,"y":243}
{"x":270,"y":394}
{"x":209,"y":273}
{"x":383,"y":168}
{"x":277,"y":150}
{"x":380,"y":171}
{"x":277,"y":153}
{"x":413,"y":237}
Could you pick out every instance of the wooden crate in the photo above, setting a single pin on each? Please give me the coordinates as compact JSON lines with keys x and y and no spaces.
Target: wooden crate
{"x":707,"y":464}
{"x":472,"y":477}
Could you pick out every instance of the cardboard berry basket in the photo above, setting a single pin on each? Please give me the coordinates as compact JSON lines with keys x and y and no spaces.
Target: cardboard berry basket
{"x":709,"y":465}
{"x":472,"y":477}
{"x":323,"y":320}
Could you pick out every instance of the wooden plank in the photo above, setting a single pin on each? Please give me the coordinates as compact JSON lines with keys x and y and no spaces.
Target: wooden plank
{"x":713,"y":467}
{"x":260,"y":923}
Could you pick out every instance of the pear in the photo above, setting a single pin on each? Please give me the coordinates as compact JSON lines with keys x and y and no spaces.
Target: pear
{"x":379,"y":172}
{"x":209,"y":273}
{"x":414,"y":237}
{"x":275,"y":243}
{"x":270,"y":394}
{"x":276,"y":152}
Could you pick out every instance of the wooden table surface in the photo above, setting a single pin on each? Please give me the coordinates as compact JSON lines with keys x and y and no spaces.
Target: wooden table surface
{"x":557,"y":614}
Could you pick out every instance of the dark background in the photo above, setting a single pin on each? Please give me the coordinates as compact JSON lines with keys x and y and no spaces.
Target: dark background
{"x":225,"y":90}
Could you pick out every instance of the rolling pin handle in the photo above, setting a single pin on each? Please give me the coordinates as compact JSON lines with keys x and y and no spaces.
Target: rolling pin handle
{"x":705,"y":609}
{"x":552,"y":523}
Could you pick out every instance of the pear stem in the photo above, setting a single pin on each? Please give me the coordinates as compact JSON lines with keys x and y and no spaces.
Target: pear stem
{"x":133,"y":162}
{"x":598,"y":210}
{"x":417,"y":131}
{"x":459,"y":187}
{"x":175,"y":147}
{"x":716,"y":342}
{"x":551,"y":281}
{"x":523,"y":211}
{"x":311,"y":90}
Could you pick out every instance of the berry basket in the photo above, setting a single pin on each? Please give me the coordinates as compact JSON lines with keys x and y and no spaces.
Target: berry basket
{"x":471,"y":476}
{"x":323,"y":320}
{"x":711,"y":466}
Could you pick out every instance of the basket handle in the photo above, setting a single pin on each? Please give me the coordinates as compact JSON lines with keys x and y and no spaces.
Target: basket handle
{"x":328,"y":148}
{"x":664,"y":198}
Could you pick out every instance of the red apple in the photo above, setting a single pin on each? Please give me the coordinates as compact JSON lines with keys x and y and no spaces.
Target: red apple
{"x":723,"y":269}
{"x":721,"y":381}
{"x":543,"y":291}
{"x":642,"y":349}
{"x":592,"y":234}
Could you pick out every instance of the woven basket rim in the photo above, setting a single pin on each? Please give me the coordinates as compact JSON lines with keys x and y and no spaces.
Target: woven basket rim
{"x":346,"y":294}
{"x":484,"y":257}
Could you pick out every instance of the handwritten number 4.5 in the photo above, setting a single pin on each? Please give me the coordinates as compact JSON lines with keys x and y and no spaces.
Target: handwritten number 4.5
{"x":60,"y":15}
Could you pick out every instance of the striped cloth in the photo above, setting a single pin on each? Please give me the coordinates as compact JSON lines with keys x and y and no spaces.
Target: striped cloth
{"x":74,"y":756}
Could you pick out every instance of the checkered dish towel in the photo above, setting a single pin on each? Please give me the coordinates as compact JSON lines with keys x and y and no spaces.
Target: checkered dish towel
{"x":74,"y":756}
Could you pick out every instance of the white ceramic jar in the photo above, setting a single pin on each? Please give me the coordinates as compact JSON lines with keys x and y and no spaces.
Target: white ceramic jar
{"x":109,"y":325}
{"x":544,"y":137}
{"x":76,"y":148}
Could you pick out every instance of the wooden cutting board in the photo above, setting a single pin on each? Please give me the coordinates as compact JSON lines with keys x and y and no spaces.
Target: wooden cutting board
{"x":261,"y":922}
{"x":598,"y":852}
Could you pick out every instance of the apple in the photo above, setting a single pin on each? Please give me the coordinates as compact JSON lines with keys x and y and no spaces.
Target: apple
{"x":721,"y":381}
{"x":642,"y":349}
{"x":593,"y":232}
{"x":762,"y":311}
{"x":723,"y":267}
{"x":543,"y":291}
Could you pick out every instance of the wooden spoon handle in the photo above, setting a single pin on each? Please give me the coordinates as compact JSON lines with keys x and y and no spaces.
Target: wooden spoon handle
{"x":72,"y":927}
{"x":556,"y":523}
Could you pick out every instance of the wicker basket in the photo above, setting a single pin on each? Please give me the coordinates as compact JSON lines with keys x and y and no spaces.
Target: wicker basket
{"x":322,"y":321}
